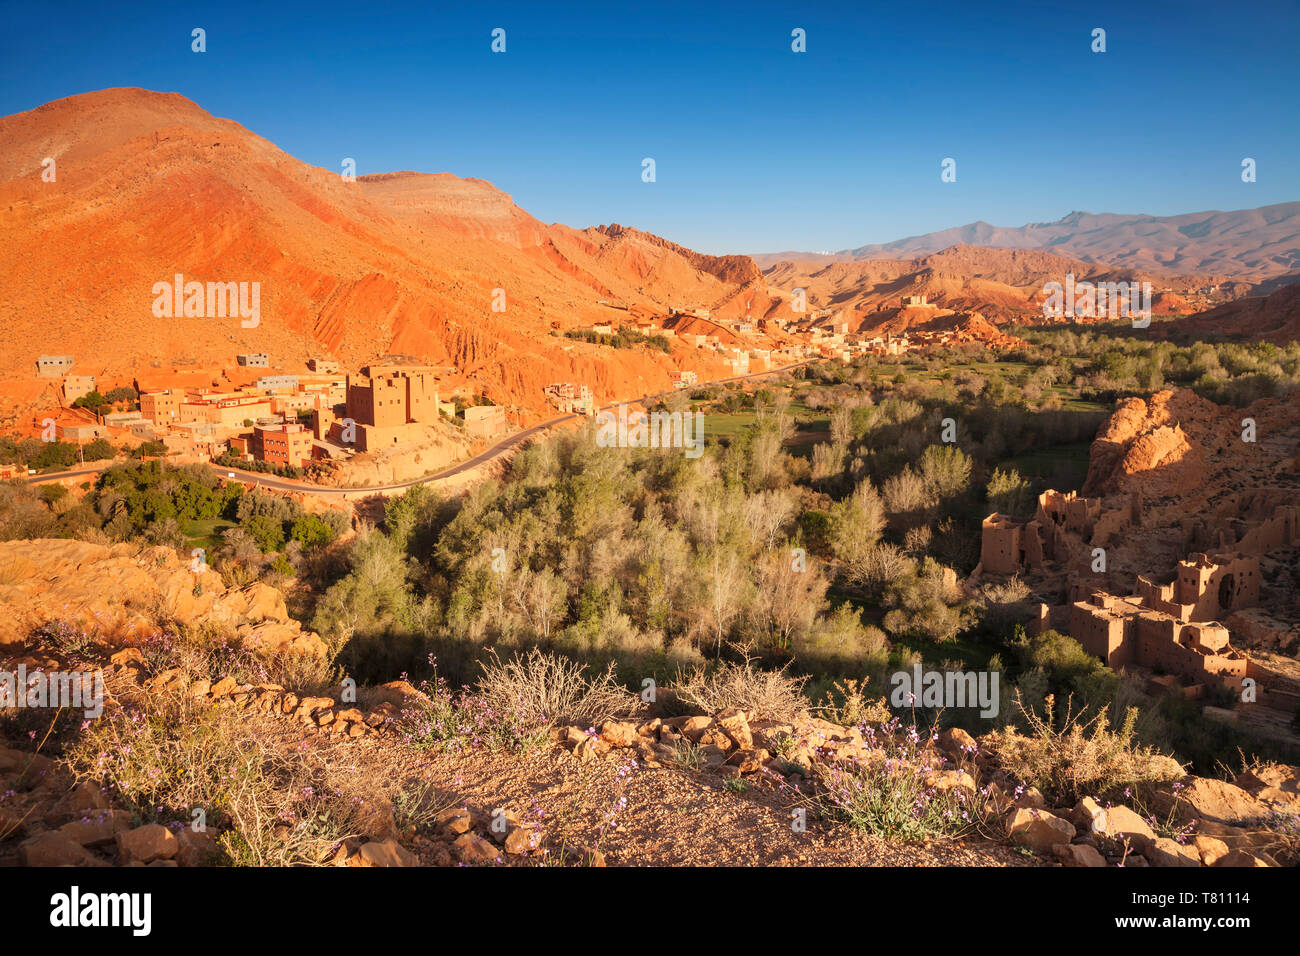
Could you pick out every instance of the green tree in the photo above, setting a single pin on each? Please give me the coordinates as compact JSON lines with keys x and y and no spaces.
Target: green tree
{"x":311,"y":532}
{"x":266,"y":530}
{"x":98,"y":449}
{"x":1008,"y":492}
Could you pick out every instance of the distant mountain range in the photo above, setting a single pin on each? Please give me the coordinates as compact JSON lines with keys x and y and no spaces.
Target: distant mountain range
{"x":1247,"y":244}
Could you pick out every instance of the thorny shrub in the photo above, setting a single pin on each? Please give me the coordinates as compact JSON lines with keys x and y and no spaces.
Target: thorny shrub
{"x":771,"y":694}
{"x":1079,"y":758}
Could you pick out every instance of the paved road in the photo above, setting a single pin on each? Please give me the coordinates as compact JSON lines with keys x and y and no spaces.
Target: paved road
{"x":57,"y":475}
{"x":500,"y":448}
{"x":285,"y":484}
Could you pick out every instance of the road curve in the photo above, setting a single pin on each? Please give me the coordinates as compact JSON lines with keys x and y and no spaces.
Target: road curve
{"x":500,"y":448}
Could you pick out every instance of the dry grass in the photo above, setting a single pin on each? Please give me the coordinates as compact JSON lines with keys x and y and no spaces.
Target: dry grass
{"x":1079,"y":759}
{"x":308,"y":675}
{"x":772,"y":694}
{"x":15,"y":570}
{"x":171,"y":755}
{"x":554,"y":688}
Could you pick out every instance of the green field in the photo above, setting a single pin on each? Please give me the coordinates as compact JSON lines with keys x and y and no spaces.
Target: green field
{"x":205,"y":532}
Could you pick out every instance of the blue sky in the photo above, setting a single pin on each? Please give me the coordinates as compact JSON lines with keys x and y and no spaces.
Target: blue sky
{"x":757,"y":148}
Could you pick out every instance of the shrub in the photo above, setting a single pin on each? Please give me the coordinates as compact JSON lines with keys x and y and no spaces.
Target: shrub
{"x":448,"y":720}
{"x":172,"y":754}
{"x":67,"y":640}
{"x":891,"y":794}
{"x":267,"y":531}
{"x":1079,"y":759}
{"x":99,"y":449}
{"x":772,"y":694}
{"x":52,"y":494}
{"x":555,"y":689}
{"x":1009,"y":493}
{"x":307,"y":675}
{"x":848,"y":705}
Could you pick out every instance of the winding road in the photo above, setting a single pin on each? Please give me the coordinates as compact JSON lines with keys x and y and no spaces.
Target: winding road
{"x":495,"y":451}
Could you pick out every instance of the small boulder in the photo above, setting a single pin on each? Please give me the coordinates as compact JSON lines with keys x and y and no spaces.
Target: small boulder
{"x":1210,"y":849}
{"x":1218,"y":801}
{"x":153,"y":841}
{"x":1078,"y":854}
{"x":472,"y":848}
{"x":945,"y":780}
{"x":455,"y":820}
{"x":1031,"y":798}
{"x":618,"y":733}
{"x":386,"y":853}
{"x":956,"y":743}
{"x":1039,"y":829}
{"x":195,"y":849}
{"x":733,"y":723}
{"x":693,"y":728}
{"x":1239,"y":858}
{"x":749,"y":761}
{"x":52,"y":848}
{"x":523,"y":839}
{"x":1118,"y":822}
{"x":1163,"y":851}
{"x":97,"y":826}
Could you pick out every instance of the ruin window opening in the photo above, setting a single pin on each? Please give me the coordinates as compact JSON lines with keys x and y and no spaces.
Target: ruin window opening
{"x":1227,"y":587}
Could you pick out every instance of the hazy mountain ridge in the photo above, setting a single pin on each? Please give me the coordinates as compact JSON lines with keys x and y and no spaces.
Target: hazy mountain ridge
{"x":1244,"y":244}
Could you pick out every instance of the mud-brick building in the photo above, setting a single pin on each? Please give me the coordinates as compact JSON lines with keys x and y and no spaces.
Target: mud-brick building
{"x":1205,"y":588}
{"x":1122,"y":633}
{"x":54,"y":366}
{"x":1064,"y":527}
{"x":391,"y":405}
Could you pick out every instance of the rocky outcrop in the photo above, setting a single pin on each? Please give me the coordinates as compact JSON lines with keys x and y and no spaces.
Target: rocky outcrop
{"x":123,"y":594}
{"x":1157,"y":446}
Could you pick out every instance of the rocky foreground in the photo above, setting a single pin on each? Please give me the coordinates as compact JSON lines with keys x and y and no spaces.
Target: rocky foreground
{"x":55,"y":814}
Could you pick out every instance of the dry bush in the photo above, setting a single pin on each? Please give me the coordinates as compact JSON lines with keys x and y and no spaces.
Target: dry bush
{"x":1011,"y":591}
{"x":210,"y":652}
{"x":892,"y":794}
{"x":555,"y":688}
{"x":307,"y":675}
{"x":849,"y":706}
{"x":772,"y":694}
{"x":1006,"y":603}
{"x":1080,"y":759}
{"x":170,"y":754}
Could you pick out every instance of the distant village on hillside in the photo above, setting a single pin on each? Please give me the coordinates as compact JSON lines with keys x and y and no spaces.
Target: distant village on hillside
{"x":258,"y":410}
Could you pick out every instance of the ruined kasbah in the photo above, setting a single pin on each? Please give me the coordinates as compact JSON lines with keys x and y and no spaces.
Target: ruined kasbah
{"x":1193,"y":618}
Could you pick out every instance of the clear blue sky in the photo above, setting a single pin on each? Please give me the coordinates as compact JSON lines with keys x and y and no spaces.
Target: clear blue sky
{"x":757,"y":148}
